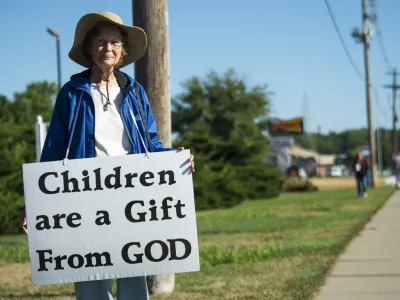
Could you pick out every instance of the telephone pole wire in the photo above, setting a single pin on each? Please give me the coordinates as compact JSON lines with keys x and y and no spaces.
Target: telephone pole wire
{"x":394,"y":86}
{"x":362,"y":35}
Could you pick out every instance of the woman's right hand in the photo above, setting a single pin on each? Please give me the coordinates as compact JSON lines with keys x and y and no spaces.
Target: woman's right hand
{"x":24,"y":224}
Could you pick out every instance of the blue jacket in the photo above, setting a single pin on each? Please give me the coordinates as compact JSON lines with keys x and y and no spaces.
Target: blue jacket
{"x":77,"y":91}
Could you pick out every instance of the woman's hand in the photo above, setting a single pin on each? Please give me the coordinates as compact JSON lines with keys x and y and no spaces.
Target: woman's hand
{"x":24,"y":224}
{"x":191,"y":159}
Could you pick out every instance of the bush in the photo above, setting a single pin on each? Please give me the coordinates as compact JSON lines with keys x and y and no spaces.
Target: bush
{"x":216,"y":185}
{"x":219,"y":185}
{"x":300,"y":186}
{"x":11,"y":207}
{"x":260,"y":182}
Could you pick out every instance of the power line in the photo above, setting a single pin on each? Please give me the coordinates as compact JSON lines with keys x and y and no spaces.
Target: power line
{"x":375,"y":20}
{"x":376,"y":98}
{"x":388,"y":100}
{"x":380,"y":38}
{"x":328,"y":7}
{"x":340,"y":36}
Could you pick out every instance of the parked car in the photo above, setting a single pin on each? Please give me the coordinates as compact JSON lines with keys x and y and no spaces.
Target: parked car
{"x":336,"y":171}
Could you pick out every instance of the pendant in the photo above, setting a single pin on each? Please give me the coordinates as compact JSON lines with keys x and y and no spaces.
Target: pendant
{"x":105,"y":107}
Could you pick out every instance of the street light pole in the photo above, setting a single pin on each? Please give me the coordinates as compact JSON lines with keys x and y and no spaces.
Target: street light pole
{"x":55,"y":34}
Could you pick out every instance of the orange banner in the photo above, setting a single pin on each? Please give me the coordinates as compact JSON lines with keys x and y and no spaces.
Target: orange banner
{"x":287,"y":127}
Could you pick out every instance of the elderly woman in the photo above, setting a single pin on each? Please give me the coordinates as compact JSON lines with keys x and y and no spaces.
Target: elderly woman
{"x":103,"y":112}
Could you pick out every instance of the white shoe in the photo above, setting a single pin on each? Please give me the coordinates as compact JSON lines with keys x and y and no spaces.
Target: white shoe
{"x":365,"y":195}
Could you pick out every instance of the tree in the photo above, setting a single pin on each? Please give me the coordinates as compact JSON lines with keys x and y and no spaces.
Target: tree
{"x":222,"y":121}
{"x":36,"y":100}
{"x":17,"y":146}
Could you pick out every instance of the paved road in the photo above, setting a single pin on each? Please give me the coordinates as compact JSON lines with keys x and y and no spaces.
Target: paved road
{"x":370,"y":267}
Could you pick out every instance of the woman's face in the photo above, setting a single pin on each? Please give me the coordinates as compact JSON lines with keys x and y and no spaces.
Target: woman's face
{"x":106,"y":46}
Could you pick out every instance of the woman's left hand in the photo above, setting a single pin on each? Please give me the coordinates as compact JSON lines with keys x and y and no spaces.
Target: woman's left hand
{"x":191,"y":159}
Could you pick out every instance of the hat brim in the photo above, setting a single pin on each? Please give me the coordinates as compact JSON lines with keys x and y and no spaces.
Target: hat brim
{"x":135,"y":44}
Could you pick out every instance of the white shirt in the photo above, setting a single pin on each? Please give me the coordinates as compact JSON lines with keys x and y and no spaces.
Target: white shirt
{"x":110,"y":136}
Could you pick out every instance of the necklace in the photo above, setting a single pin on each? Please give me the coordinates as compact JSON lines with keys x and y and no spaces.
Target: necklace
{"x":108,"y":80}
{"x":105,"y":94}
{"x":105,"y":106}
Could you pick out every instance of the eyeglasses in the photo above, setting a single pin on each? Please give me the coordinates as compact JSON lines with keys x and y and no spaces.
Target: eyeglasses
{"x":115,"y":44}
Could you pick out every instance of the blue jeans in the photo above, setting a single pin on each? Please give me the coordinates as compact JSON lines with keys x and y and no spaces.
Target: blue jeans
{"x":133,"y":288}
{"x":397,"y":176}
{"x":366,"y":182}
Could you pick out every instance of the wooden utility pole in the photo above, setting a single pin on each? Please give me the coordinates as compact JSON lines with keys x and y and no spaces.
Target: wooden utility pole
{"x":152,"y":71}
{"x":394,"y":86}
{"x":363,"y":35}
{"x":371,"y":132}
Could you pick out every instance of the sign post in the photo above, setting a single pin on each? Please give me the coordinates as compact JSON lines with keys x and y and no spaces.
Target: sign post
{"x":40,"y":136}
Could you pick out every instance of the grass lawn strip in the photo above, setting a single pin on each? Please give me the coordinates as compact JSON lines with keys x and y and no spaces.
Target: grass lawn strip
{"x":267,"y":249}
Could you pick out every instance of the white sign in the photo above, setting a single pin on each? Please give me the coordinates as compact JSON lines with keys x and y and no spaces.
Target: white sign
{"x":113,"y":217}
{"x":278,"y":142}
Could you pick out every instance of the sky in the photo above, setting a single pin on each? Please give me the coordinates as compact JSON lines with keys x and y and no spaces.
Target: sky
{"x":290,"y":45}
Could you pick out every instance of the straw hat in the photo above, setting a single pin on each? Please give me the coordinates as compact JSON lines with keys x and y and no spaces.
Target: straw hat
{"x":135,"y":45}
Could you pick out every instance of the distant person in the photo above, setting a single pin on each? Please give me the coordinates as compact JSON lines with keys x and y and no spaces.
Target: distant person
{"x":360,"y":169}
{"x":302,"y":174}
{"x":103,"y":112}
{"x":397,"y":169}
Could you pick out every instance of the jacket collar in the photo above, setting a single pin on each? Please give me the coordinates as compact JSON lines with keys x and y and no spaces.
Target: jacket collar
{"x":82,"y":80}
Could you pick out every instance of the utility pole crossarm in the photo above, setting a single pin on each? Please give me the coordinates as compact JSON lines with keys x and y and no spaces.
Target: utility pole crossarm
{"x":394,"y":71}
{"x":391,"y":86}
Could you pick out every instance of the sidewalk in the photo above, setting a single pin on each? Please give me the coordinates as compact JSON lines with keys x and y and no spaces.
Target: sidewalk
{"x":370,"y":267}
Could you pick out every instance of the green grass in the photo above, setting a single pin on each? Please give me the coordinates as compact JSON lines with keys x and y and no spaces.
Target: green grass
{"x":14,"y":248}
{"x":274,"y":249}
